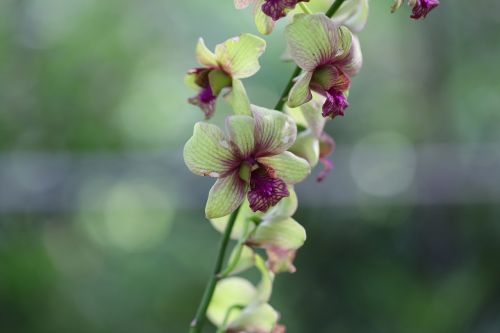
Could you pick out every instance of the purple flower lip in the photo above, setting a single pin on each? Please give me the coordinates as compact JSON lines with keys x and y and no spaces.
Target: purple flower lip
{"x":423,"y":7}
{"x":265,"y":190}
{"x":206,"y":95}
{"x":276,"y":9}
{"x":335,"y":103}
{"x":205,"y":100}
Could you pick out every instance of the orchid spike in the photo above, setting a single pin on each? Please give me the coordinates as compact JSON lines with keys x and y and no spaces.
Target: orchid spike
{"x":250,"y":160}
{"x":329,"y":56}
{"x":233,"y":60}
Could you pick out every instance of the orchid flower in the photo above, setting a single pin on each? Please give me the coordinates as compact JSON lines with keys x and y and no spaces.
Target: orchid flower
{"x":275,"y":231}
{"x":328,"y":55}
{"x":235,"y":59}
{"x":250,"y":160}
{"x":238,"y":306}
{"x":267,"y":12}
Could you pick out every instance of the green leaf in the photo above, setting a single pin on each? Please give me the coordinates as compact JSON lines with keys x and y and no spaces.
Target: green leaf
{"x":241,"y":133}
{"x":238,"y":99}
{"x":300,"y":92}
{"x":239,"y":56}
{"x":207,"y":152}
{"x":204,"y":55}
{"x":287,"y":166}
{"x":225,"y":196}
{"x":275,"y":131}
{"x":313,"y":40}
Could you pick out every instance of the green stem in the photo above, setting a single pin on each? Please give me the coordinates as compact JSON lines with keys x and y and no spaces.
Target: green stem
{"x":238,"y":250}
{"x":305,"y":8}
{"x":199,"y":320}
{"x":333,"y":9}
{"x":284,"y":95}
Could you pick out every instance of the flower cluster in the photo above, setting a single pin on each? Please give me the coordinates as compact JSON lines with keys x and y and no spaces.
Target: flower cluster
{"x":262,"y":153}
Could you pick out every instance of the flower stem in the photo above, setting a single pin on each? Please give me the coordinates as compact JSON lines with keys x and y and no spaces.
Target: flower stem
{"x":305,"y":8}
{"x":281,"y":102}
{"x":199,"y":320}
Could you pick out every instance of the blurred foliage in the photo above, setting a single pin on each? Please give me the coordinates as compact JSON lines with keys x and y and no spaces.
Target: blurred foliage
{"x":106,"y":77}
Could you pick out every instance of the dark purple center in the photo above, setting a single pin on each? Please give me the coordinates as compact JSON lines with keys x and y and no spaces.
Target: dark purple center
{"x":423,"y":7}
{"x":206,"y":95}
{"x":265,"y":191}
{"x":205,"y":100}
{"x":335,"y":103}
{"x":276,"y":9}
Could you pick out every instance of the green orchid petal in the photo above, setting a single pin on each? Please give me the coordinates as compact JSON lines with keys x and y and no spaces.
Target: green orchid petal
{"x":246,"y":259}
{"x":275,"y":131}
{"x":241,"y":133}
{"x":352,"y":63}
{"x":285,"y":233}
{"x":245,"y":213}
{"x":264,"y":23}
{"x":313,"y":40}
{"x":218,"y":80}
{"x":265,"y":287}
{"x":353,"y":14}
{"x":238,"y":99}
{"x":204,"y":55}
{"x":225,"y":196}
{"x":285,"y":208}
{"x":344,"y":43}
{"x":207,"y":152}
{"x":239,"y":56}
{"x":190,"y":81}
{"x":287,"y":166}
{"x":230,"y":292}
{"x":300,"y":92}
{"x":312,"y":114}
{"x":259,"y":318}
{"x":307,"y":147}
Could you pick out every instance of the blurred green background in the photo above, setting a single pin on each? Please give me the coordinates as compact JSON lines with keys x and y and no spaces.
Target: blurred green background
{"x":101,"y":224}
